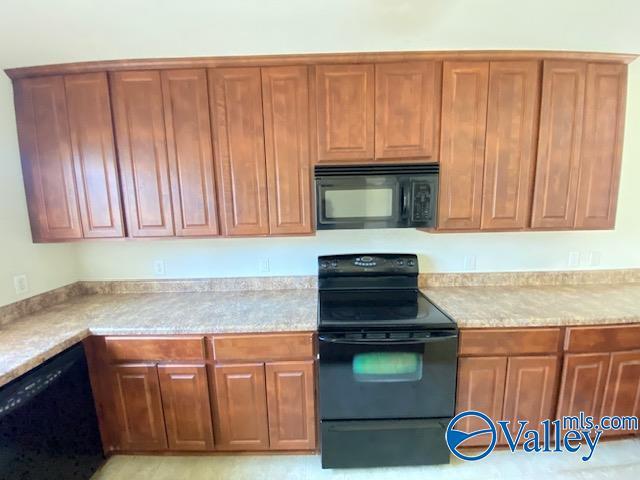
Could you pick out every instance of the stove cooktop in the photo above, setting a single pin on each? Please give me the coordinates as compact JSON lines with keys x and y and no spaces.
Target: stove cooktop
{"x":366,"y":309}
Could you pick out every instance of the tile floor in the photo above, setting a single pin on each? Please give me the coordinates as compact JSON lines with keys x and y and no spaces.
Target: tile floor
{"x":619,"y":460}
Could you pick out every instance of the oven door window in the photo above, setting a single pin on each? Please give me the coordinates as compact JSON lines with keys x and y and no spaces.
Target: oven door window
{"x":387,"y":367}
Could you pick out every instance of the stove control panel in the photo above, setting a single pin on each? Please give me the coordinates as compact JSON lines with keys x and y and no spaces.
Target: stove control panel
{"x":368,"y":264}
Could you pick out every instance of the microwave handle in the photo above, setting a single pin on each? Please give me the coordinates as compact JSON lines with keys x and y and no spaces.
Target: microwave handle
{"x":404,"y":199}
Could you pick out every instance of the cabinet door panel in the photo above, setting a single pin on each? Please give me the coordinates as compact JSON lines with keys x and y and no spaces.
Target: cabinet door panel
{"x":239,"y":141}
{"x":481,"y":383}
{"x":291,"y":405}
{"x":187,"y":409}
{"x":622,"y":391}
{"x":345,"y":105}
{"x":142,"y":150}
{"x":407,"y":110}
{"x":47,"y":162}
{"x":464,"y":116}
{"x":94,"y":155}
{"x":601,"y":152}
{"x":530,"y":391}
{"x":558,"y":162}
{"x":190,"y":151}
{"x":241,"y":406}
{"x":137,"y":396}
{"x":510,"y":145}
{"x":582,"y":385}
{"x":286,"y":130}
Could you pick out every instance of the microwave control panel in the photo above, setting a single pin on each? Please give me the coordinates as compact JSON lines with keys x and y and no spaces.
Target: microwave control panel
{"x":421,"y":195}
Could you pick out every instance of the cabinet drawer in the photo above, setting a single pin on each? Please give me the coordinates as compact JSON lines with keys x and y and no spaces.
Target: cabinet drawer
{"x":270,"y":346}
{"x":154,"y":348}
{"x":509,"y":341}
{"x":602,"y":338}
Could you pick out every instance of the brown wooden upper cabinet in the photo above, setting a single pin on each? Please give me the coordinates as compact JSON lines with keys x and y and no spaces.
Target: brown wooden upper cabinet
{"x":383,"y":112}
{"x":407,"y":117}
{"x":601,"y":153}
{"x":261,"y":125}
{"x":285,"y":100}
{"x":580,"y":145}
{"x":236,"y":108}
{"x":68,"y":157}
{"x":166,"y":155}
{"x":464,"y":119}
{"x":345,"y":105}
{"x":142,"y":151}
{"x":510,"y":146}
{"x":522,"y":144}
{"x":489,"y":119}
{"x":190,"y":152}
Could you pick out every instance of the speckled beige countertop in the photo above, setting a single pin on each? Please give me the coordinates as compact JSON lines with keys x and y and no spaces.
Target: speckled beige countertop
{"x":28,"y":341}
{"x":533,"y":306}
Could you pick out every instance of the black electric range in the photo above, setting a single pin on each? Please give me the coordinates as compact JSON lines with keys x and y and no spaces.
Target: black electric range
{"x":387,"y":364}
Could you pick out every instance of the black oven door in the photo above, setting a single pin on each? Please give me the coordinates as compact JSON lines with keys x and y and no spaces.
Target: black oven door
{"x":359,"y":202}
{"x":387,"y":375}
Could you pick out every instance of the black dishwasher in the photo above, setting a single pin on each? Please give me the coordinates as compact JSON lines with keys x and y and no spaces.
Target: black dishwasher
{"x":48,"y":424}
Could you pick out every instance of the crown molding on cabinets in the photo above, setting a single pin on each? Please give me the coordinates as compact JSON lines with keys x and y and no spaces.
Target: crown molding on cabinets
{"x":311,"y":59}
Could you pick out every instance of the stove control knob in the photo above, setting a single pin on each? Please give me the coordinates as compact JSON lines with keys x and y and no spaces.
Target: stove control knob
{"x":334,"y":263}
{"x":400,"y":262}
{"x":411,"y":263}
{"x":324,"y":265}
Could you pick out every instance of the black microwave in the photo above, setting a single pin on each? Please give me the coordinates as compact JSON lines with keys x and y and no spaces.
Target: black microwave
{"x":376,"y":196}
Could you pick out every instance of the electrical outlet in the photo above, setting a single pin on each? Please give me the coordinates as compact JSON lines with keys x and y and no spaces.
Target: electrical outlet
{"x":159,"y":267}
{"x":470,"y":263}
{"x":263,"y":266}
{"x":574,"y":260}
{"x":595,"y":258}
{"x":21,"y":284}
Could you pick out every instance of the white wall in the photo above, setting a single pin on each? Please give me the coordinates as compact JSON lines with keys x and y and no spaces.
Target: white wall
{"x":46,"y":266}
{"x":36,"y":32}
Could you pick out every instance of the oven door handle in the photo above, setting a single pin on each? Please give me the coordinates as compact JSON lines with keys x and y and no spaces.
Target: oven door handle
{"x":387,"y":341}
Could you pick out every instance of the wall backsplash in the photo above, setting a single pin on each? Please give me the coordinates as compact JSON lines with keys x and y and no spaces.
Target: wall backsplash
{"x":493,"y":252}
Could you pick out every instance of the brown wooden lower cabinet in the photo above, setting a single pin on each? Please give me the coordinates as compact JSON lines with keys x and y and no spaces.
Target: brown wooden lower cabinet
{"x":509,"y":374}
{"x":507,"y":388}
{"x":601,"y":384}
{"x":291,"y":405}
{"x":481,"y":382}
{"x":187,"y":411}
{"x":164,"y":393}
{"x":622,"y":388}
{"x":241,"y":407}
{"x":139,"y":407}
{"x":530,"y":391}
{"x":265,"y":406}
{"x":582,"y":387}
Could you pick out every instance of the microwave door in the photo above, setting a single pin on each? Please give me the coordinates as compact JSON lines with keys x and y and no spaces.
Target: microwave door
{"x":359,"y":202}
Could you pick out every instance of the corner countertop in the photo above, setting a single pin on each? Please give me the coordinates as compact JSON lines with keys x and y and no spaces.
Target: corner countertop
{"x":27,"y":342}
